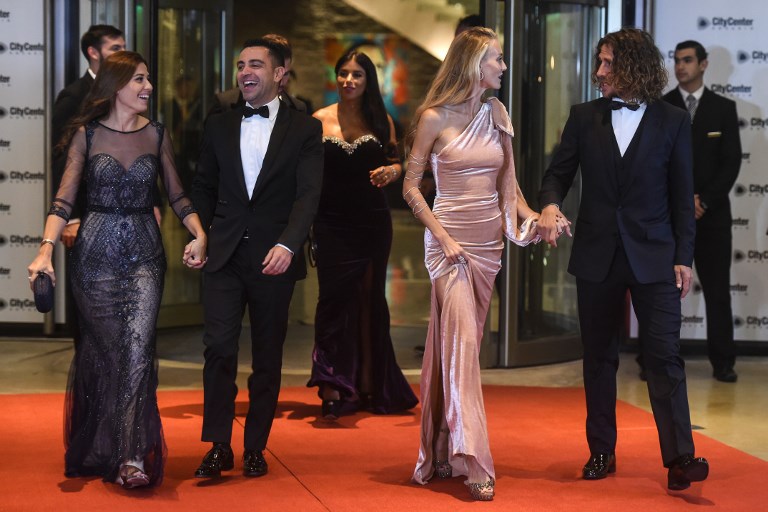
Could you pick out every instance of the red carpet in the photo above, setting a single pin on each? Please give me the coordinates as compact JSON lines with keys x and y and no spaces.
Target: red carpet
{"x":364,"y":462}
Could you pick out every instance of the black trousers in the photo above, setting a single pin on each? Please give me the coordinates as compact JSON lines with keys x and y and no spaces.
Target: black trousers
{"x":712,"y":257}
{"x":225,"y":295}
{"x":657,"y":306}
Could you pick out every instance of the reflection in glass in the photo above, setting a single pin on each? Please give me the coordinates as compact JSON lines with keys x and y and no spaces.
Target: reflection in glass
{"x":560,"y":39}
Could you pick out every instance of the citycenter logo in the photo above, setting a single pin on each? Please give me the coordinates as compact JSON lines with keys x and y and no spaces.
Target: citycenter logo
{"x":26,"y":177}
{"x":757,"y":322}
{"x":3,"y":48}
{"x":26,"y":47}
{"x":727,"y":23}
{"x":693,"y":319}
{"x":741,"y":89}
{"x":750,"y":256}
{"x":739,"y":288}
{"x":5,"y":80}
{"x":755,"y":56}
{"x":740,"y":222}
{"x":22,"y":112}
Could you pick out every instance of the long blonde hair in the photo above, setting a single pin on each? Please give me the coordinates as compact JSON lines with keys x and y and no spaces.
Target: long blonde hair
{"x":460,"y":70}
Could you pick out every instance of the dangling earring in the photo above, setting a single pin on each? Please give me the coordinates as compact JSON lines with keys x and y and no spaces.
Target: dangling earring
{"x":481,"y":74}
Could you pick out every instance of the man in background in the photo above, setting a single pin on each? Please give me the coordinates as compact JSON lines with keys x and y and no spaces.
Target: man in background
{"x":716,"y":164}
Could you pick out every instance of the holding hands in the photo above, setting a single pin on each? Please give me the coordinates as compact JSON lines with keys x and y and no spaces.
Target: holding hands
{"x":552,"y":223}
{"x":194,"y":253}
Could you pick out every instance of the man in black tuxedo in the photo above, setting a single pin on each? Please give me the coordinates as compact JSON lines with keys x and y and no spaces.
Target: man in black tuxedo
{"x":233,"y":98}
{"x":716,"y":164}
{"x":257,"y":188}
{"x":635,"y":231}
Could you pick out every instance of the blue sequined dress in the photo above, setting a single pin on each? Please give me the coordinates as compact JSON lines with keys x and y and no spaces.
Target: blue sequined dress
{"x":117,"y":270}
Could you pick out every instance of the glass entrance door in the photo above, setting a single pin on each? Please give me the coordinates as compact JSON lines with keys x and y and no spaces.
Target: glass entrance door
{"x":552,"y":62}
{"x":186,"y":42}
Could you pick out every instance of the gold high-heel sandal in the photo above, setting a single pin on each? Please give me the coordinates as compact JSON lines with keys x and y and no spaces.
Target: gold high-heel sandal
{"x":133,"y":477}
{"x":482,"y":491}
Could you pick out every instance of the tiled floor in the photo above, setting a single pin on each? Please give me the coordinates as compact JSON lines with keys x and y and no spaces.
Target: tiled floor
{"x":735,"y":414}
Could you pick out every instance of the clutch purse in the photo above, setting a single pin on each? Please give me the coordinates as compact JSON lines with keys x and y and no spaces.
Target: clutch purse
{"x":42,"y":288}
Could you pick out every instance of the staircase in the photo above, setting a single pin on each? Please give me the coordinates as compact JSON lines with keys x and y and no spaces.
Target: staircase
{"x":429,"y":24}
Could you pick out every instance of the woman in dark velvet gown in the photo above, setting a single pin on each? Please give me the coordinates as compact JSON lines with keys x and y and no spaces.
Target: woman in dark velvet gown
{"x":353,"y":362}
{"x":112,"y":423}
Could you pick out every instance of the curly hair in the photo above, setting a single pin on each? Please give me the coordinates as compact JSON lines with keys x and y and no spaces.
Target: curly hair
{"x":638,"y":70}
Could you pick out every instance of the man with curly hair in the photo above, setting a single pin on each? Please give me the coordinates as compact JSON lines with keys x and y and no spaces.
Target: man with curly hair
{"x":634,"y":232}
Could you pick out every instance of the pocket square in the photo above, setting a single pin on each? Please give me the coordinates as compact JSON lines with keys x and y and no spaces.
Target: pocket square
{"x":43,"y":291}
{"x":713,"y":135}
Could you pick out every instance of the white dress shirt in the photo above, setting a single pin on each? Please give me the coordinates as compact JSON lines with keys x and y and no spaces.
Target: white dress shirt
{"x":255,"y":132}
{"x":696,"y":94}
{"x":625,"y":123}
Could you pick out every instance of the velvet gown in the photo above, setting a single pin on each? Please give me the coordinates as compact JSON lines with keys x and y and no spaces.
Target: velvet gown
{"x":476,"y":203}
{"x":117,"y":271}
{"x":353,"y":233}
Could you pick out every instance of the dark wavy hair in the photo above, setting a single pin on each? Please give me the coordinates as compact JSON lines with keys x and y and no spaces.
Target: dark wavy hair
{"x":95,"y":35}
{"x":116,"y":71}
{"x":638,"y":71}
{"x":374,"y":112}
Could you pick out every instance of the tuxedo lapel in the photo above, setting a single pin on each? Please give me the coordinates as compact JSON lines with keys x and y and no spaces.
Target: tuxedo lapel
{"x":279,"y":131}
{"x":232,"y":141}
{"x":607,"y":140}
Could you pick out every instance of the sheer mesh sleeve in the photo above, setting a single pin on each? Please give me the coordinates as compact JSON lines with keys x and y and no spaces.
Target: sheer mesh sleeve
{"x":510,"y":196}
{"x":63,"y":202}
{"x":181,"y":204}
{"x":413,"y":175}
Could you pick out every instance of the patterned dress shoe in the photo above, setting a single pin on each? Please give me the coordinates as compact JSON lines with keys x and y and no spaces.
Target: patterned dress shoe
{"x":686,"y":469}
{"x":219,"y":458}
{"x":598,"y":466}
{"x":254,"y":463}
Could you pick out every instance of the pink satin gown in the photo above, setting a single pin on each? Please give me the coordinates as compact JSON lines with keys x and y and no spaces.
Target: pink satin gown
{"x":476,"y":202}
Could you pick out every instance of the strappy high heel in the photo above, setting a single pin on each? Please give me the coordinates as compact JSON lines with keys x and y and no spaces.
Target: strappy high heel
{"x":443,"y":468}
{"x":133,"y":477}
{"x":481,"y":491}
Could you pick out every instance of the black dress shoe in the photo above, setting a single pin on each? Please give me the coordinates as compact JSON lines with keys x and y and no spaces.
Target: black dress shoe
{"x":725,"y":375}
{"x":254,"y":463}
{"x":219,"y":458}
{"x":598,"y":466}
{"x":687,"y":469}
{"x":331,"y":409}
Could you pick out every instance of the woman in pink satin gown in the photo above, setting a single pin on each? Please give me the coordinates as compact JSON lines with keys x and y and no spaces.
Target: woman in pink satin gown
{"x":467,"y":144}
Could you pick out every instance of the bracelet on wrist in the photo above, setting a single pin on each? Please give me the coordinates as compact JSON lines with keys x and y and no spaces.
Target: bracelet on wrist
{"x":47,"y":241}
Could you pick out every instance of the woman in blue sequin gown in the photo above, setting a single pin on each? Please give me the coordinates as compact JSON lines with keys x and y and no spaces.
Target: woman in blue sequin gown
{"x":353,"y":362}
{"x":112,"y":422}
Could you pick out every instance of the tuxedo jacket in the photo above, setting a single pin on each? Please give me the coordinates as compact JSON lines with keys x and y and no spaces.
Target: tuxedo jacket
{"x":642,"y":201}
{"x":65,"y":108}
{"x":716,"y":151}
{"x":285,"y":197}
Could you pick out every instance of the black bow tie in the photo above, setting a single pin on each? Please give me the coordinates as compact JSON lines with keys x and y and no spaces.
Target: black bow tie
{"x":617,"y":105}
{"x":263,"y":111}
